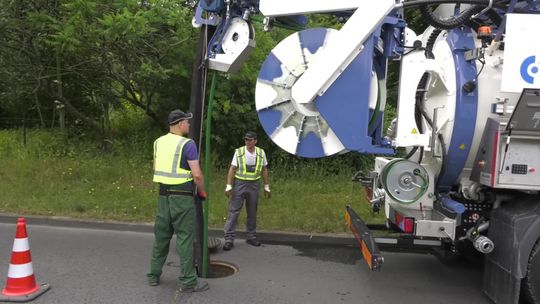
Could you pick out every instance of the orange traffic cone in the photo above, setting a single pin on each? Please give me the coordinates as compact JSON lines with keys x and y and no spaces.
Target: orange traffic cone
{"x":21,"y":284}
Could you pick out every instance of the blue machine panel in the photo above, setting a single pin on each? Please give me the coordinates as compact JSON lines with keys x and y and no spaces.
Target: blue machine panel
{"x":343,"y":108}
{"x":460,"y":41}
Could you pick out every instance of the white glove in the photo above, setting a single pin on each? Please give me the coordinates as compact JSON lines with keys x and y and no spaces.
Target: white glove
{"x":228,"y":188}
{"x":267,"y":188}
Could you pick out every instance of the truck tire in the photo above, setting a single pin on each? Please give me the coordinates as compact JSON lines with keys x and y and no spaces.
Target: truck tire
{"x":530,"y":286}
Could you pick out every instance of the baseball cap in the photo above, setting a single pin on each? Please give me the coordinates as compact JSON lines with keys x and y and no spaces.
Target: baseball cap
{"x":250,"y":135}
{"x":177,"y":115}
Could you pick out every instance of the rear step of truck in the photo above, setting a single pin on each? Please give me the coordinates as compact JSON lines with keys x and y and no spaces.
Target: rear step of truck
{"x":402,"y":242}
{"x":363,"y":235}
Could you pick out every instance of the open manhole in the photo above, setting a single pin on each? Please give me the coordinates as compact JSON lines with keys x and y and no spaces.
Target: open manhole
{"x":218,"y":269}
{"x":221,"y":269}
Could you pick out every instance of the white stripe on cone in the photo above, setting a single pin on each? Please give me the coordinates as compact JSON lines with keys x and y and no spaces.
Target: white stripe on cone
{"x":20,"y":271}
{"x":21,"y":245}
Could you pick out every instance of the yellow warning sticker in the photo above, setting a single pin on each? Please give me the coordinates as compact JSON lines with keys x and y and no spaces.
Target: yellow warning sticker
{"x":462,"y":147}
{"x":414,"y":131}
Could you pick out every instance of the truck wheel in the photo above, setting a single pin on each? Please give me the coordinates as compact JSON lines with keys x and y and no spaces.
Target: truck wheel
{"x":530,"y":286}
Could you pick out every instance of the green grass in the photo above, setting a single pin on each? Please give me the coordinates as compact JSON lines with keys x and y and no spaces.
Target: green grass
{"x":37,"y":180}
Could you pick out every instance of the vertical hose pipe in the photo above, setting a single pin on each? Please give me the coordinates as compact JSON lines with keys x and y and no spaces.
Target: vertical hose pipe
{"x":207,"y":156}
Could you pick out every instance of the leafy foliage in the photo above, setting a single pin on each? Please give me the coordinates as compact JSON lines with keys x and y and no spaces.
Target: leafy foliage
{"x":91,"y":56}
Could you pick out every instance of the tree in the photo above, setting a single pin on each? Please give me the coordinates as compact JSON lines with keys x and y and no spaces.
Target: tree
{"x":90,"y":57}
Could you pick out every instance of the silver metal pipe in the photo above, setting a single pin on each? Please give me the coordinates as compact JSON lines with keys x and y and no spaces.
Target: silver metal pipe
{"x":483,"y":227}
{"x":480,"y":242}
{"x":483,"y":244}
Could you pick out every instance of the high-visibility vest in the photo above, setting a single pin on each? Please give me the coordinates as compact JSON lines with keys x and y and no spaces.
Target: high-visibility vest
{"x":167,"y":159}
{"x":242,"y":171}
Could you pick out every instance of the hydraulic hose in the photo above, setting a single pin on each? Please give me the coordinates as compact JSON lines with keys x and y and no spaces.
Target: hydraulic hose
{"x":490,"y":14}
{"x":456,"y":21}
{"x":450,"y":23}
{"x":483,"y":3}
{"x":432,"y":38}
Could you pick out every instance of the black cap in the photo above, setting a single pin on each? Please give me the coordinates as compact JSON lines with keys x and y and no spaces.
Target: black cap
{"x":250,"y":135}
{"x":177,"y":115}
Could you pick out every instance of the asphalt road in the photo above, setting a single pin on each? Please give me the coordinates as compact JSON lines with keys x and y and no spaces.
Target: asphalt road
{"x":85,"y":265}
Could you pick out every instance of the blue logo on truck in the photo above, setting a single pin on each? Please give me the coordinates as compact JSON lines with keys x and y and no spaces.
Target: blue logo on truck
{"x":528,"y":72}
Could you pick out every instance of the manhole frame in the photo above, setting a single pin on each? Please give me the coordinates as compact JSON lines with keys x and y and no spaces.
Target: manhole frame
{"x":235,"y":269}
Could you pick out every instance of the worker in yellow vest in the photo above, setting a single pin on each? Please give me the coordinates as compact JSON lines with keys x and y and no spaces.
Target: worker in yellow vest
{"x":177,"y":171}
{"x":248,"y":165}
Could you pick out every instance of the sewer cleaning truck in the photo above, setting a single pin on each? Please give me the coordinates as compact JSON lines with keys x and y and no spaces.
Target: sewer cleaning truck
{"x":467,"y":125}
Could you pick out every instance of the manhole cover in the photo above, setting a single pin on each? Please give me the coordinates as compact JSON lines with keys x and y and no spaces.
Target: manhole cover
{"x":221,"y":269}
{"x":213,"y":244}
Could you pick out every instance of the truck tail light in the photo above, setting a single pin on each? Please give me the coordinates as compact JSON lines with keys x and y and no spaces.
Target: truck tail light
{"x":406,"y":224}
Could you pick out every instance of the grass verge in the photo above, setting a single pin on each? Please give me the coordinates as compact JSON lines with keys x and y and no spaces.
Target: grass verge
{"x":117,"y":189}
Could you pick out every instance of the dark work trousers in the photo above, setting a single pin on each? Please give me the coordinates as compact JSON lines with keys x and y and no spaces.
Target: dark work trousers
{"x":175,"y":214}
{"x":248,"y":191}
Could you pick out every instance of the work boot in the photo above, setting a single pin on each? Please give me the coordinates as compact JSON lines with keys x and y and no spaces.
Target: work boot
{"x":199,"y":287}
{"x":153,"y":280}
{"x":253,"y":242}
{"x":228,"y":246}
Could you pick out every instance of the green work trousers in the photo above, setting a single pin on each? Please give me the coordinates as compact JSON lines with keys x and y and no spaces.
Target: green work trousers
{"x":175,"y":214}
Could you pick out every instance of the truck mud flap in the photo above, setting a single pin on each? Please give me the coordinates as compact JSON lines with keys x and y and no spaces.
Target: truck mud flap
{"x":370,"y":250}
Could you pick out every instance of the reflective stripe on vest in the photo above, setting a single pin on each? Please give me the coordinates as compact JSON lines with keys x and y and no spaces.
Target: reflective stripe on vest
{"x":241,"y":171}
{"x":168,"y":157}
